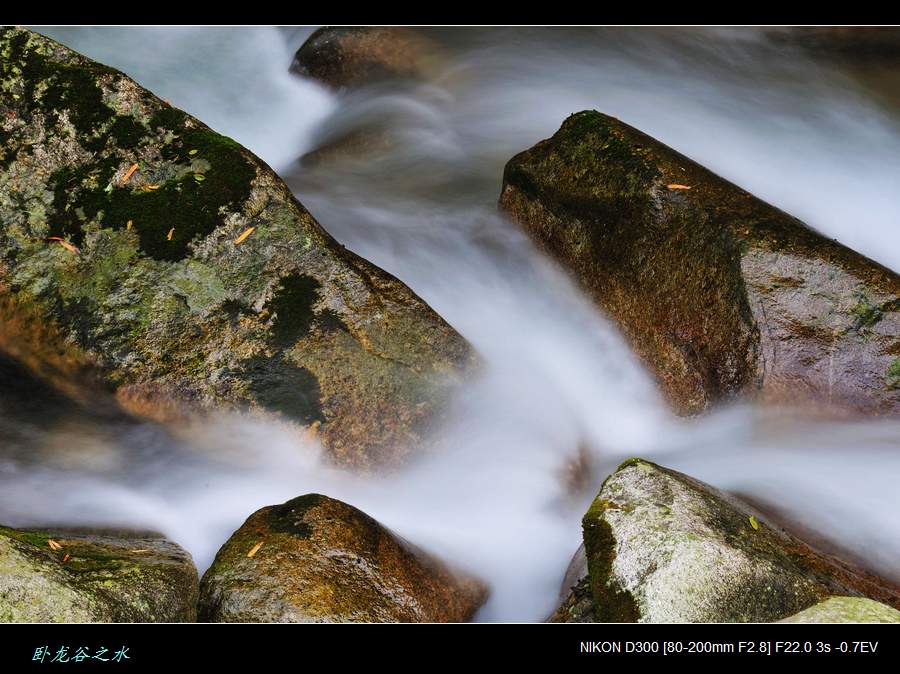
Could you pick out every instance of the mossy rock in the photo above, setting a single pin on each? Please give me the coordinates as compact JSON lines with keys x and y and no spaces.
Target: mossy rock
{"x":315,"y":559}
{"x":347,"y":57}
{"x":846,"y":610}
{"x":664,"y":547}
{"x":721,"y":294}
{"x":152,"y":277}
{"x":94,"y":576}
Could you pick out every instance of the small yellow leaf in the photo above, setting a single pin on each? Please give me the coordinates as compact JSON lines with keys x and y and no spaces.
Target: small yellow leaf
{"x":753,"y":522}
{"x":152,"y":187}
{"x":53,"y":544}
{"x":169,"y":235}
{"x":676,"y":186}
{"x":137,"y":552}
{"x":66,"y":558}
{"x":128,"y":174}
{"x":247,"y":232}
{"x":192,"y":152}
{"x":254,"y":549}
{"x":130,"y":224}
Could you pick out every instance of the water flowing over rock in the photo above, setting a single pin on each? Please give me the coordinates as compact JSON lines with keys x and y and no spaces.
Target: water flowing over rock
{"x":719,"y":293}
{"x":82,"y":575}
{"x":316,"y":559}
{"x":345,"y":57}
{"x":180,"y":266}
{"x":664,"y":547}
{"x":846,"y":610}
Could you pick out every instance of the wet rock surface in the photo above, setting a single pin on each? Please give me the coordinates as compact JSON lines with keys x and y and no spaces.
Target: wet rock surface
{"x":846,"y":610}
{"x":92,"y":575}
{"x":721,"y":294}
{"x":347,"y":57}
{"x":664,"y":547}
{"x":179,"y":266}
{"x":316,"y":559}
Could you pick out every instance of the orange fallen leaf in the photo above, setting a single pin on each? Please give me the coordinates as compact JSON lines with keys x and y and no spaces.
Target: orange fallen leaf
{"x":66,"y":558}
{"x":676,"y":186}
{"x":128,"y":174}
{"x":65,"y":244}
{"x":139,"y":551}
{"x":53,"y":544}
{"x":169,"y":235}
{"x":254,"y":549}
{"x":247,"y":232}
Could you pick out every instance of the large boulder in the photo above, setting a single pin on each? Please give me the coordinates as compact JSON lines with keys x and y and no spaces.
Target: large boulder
{"x":180,"y":266}
{"x":345,"y":57}
{"x":315,"y":559}
{"x":94,"y":576}
{"x":846,"y":610}
{"x":720,"y":293}
{"x":663,"y":547}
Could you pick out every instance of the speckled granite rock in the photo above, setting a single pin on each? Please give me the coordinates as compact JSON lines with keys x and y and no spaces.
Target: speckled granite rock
{"x":664,"y":547}
{"x":846,"y":610}
{"x":180,"y":267}
{"x":94,"y":576}
{"x":315,"y":559}
{"x":721,"y":294}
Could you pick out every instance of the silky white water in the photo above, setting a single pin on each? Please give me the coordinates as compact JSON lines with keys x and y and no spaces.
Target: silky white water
{"x":495,"y":497}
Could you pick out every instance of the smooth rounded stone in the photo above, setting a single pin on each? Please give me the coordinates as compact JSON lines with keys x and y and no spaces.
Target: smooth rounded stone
{"x":664,"y":547}
{"x":316,"y":559}
{"x":719,"y":293}
{"x":180,"y":269}
{"x":846,"y":610}
{"x":347,"y":57}
{"x":95,"y":575}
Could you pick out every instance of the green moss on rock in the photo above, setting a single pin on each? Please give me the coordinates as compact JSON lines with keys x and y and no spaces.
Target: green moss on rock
{"x":148,"y":281}
{"x":846,"y":610}
{"x":94,"y":576}
{"x":664,"y":547}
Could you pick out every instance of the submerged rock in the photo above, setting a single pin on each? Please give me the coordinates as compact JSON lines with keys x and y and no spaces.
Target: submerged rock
{"x":84,"y":575}
{"x":664,"y":547}
{"x":315,"y":559}
{"x":181,"y":268}
{"x":846,"y":610}
{"x":344,"y":57}
{"x":719,"y":293}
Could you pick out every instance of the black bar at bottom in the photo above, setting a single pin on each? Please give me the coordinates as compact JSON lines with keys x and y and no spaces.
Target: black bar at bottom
{"x":117,"y":647}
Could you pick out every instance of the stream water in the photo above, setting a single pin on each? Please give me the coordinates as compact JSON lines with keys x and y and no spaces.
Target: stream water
{"x":560,"y":387}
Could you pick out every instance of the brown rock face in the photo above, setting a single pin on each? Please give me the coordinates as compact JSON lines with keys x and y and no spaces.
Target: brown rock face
{"x":344,"y":57}
{"x":720,"y":294}
{"x":315,"y":559}
{"x":141,"y":247}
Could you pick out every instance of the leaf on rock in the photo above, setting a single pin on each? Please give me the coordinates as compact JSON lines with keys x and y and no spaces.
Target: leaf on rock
{"x":676,"y":186}
{"x":128,"y":174}
{"x":53,"y":544}
{"x":254,"y":549}
{"x":753,"y":522}
{"x":247,"y":232}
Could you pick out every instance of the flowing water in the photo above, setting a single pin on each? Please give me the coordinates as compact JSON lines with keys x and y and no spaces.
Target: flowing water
{"x":562,"y":400}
